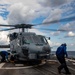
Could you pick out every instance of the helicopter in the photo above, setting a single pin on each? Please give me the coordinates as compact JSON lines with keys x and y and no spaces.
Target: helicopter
{"x":28,"y":46}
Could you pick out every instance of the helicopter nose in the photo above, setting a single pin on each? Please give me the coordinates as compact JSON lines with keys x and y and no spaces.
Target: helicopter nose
{"x":25,"y":51}
{"x":46,"y":49}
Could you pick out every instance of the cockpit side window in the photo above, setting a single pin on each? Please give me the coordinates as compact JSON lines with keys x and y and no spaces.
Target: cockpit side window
{"x":43,"y":39}
{"x":13,"y":36}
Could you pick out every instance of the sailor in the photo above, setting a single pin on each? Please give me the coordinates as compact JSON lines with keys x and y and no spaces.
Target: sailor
{"x":12,"y":59}
{"x":60,"y":53}
{"x":4,"y":55}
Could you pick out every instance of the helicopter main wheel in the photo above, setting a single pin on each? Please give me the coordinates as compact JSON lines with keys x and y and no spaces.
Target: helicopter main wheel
{"x":34,"y":62}
{"x":16,"y":58}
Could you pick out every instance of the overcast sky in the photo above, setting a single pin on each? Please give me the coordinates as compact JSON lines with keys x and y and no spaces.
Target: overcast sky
{"x":40,"y":11}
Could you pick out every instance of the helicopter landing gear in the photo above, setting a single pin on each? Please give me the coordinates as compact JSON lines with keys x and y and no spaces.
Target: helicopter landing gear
{"x":34,"y":62}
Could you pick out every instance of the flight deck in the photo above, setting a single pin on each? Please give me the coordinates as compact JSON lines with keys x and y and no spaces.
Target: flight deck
{"x":46,"y":68}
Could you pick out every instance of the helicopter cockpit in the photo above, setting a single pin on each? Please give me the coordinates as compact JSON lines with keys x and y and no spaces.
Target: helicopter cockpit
{"x":28,"y":44}
{"x":36,"y":39}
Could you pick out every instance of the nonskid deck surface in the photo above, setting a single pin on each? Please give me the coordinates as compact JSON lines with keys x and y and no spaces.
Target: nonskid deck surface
{"x":49,"y":68}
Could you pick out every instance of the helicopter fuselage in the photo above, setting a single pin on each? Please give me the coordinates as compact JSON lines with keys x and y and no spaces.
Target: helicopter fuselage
{"x":29,"y":46}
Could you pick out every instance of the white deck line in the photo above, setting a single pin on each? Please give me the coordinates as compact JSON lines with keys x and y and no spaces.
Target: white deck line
{"x":1,"y":64}
{"x":73,"y":63}
{"x":72,"y":60}
{"x":71,"y":68}
{"x":21,"y":67}
{"x":16,"y":67}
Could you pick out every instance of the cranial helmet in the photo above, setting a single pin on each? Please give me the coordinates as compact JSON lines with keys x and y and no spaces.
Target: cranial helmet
{"x":65,"y":44}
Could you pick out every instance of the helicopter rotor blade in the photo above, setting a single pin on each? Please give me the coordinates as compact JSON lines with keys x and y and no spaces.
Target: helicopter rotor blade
{"x":6,"y":25}
{"x":23,"y":26}
{"x":62,"y":30}
{"x":19,"y":25}
{"x":61,"y":20}
{"x":7,"y":29}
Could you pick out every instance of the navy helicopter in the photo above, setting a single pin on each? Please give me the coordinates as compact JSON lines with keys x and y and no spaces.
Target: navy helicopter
{"x":28,"y":46}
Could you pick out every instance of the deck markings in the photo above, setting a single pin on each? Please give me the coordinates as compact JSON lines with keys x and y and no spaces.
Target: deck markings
{"x":1,"y":64}
{"x":19,"y":66}
{"x":73,"y":63}
{"x":16,"y":67}
{"x":71,"y":68}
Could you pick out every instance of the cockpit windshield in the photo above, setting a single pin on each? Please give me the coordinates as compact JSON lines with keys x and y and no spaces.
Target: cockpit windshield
{"x":40,"y":40}
{"x":27,"y":40}
{"x":34,"y":39}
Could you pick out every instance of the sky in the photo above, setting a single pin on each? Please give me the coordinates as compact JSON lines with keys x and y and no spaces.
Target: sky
{"x":62,"y":12}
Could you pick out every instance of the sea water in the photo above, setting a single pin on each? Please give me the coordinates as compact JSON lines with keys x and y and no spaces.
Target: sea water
{"x":71,"y":54}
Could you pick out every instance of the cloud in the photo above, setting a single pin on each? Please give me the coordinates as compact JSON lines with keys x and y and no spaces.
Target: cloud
{"x":36,"y":31}
{"x":55,"y":15}
{"x":20,"y":13}
{"x":28,"y":11}
{"x":3,"y":38}
{"x":68,"y":26}
{"x":69,"y":8}
{"x":72,"y":44}
{"x":52,"y":3}
{"x":23,"y":14}
{"x":55,"y":33}
{"x":2,"y":21}
{"x":55,"y":44}
{"x":3,"y":35}
{"x":69,"y":29}
{"x":64,"y":13}
{"x":70,"y":34}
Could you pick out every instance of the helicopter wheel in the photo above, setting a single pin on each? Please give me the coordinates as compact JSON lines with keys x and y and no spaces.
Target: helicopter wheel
{"x":16,"y":58}
{"x":34,"y":62}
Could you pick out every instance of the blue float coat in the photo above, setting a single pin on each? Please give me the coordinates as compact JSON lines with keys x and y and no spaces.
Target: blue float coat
{"x":61,"y":51}
{"x":6,"y":53}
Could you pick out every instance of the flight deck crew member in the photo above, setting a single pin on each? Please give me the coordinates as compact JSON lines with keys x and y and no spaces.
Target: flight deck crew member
{"x":4,"y":55}
{"x":60,"y":53}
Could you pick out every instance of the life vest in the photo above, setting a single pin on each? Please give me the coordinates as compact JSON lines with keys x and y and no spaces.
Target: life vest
{"x":60,"y":51}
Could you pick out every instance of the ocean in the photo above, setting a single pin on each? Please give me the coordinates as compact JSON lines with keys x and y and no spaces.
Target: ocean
{"x":71,"y":54}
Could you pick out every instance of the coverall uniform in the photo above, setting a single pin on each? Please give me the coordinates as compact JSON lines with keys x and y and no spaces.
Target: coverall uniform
{"x":60,"y":53}
{"x":4,"y":55}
